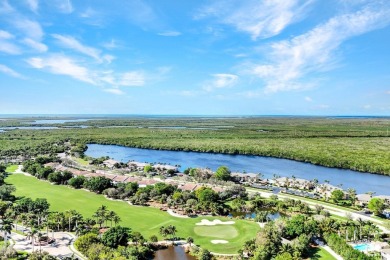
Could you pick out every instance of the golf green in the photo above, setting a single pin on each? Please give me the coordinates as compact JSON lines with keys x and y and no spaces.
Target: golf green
{"x":218,"y":231}
{"x":146,"y":220}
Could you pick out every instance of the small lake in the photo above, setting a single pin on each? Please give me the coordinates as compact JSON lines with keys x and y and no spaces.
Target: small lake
{"x":361,"y":182}
{"x":271,"y":215}
{"x":173,"y":253}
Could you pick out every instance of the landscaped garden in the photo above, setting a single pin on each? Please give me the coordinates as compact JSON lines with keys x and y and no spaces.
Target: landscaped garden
{"x":145,"y":220}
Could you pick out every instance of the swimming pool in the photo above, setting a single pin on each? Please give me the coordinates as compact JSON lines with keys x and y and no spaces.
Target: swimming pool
{"x":362,"y":247}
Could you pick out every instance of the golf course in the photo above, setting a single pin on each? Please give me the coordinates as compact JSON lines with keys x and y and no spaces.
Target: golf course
{"x":146,"y":220}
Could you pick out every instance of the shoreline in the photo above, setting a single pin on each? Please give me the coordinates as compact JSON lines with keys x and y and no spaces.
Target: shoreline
{"x":188,"y":150}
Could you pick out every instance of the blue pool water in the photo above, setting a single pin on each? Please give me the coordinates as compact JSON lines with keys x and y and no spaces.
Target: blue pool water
{"x":362,"y":247}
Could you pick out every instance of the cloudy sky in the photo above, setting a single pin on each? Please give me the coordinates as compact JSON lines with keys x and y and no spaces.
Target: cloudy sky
{"x":231,"y":57}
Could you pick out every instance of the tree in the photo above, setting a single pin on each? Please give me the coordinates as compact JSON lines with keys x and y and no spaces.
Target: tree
{"x":284,"y":256}
{"x":337,"y":195}
{"x":116,"y":236}
{"x":190,"y":240}
{"x":77,"y":182}
{"x":222,"y":173}
{"x":376,"y":205}
{"x":83,"y":243}
{"x":98,"y":184}
{"x":205,"y":254}
{"x":205,"y":194}
{"x":5,"y":192}
{"x":148,"y":168}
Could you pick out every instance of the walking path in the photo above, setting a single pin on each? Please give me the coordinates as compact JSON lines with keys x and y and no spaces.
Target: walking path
{"x":63,"y":245}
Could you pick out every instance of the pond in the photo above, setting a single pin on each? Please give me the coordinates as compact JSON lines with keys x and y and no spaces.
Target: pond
{"x":268,"y":166}
{"x":271,"y":215}
{"x":173,"y":253}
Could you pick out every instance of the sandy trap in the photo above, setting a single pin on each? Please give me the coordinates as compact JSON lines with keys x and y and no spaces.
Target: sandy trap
{"x":206,"y":222}
{"x":219,"y":241}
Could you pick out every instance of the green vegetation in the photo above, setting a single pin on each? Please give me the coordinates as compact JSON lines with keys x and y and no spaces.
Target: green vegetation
{"x":358,"y":144}
{"x":218,"y":231}
{"x":145,"y":220}
{"x":11,"y":168}
{"x":318,"y":253}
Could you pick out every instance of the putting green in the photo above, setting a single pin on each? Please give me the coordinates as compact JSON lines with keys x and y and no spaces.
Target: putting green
{"x":146,"y":220}
{"x":217,"y":231}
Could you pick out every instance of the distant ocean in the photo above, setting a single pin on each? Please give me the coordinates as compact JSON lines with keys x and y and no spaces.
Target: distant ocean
{"x":5,"y":116}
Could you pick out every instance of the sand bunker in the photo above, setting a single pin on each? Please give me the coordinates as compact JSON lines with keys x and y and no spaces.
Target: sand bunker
{"x":206,"y":222}
{"x":219,"y":241}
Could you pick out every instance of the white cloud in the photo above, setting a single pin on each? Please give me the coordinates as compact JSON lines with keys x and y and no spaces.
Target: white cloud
{"x":308,"y":99}
{"x":115,"y":91}
{"x":9,"y":48}
{"x":388,"y":92}
{"x":65,"y":6}
{"x":5,"y":35}
{"x":132,"y":78}
{"x":6,"y":46}
{"x":38,"y":46}
{"x":71,"y":43}
{"x":31,"y":29}
{"x":62,"y":65}
{"x":260,"y":19}
{"x":88,"y":13}
{"x":170,"y":33}
{"x":367,"y":106}
{"x":10,"y":72}
{"x":314,"y":51}
{"x":33,"y":4}
{"x":220,"y":81}
{"x":111,"y":45}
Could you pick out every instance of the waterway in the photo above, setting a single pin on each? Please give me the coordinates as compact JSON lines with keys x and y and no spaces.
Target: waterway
{"x":172,"y":253}
{"x":268,"y":166}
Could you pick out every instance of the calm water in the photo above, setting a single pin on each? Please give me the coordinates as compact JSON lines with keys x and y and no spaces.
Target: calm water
{"x":173,"y":253}
{"x":362,"y":182}
{"x":59,"y":121}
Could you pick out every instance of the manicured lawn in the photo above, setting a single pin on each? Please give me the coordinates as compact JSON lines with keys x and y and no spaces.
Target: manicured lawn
{"x":81,"y":161}
{"x":12,"y":168}
{"x":142,"y":219}
{"x":218,"y":231}
{"x":318,"y":253}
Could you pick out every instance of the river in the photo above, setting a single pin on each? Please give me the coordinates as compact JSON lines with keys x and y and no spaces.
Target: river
{"x":268,"y":166}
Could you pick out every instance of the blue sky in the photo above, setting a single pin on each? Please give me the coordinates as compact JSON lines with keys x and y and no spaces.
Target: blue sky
{"x":233,"y":57}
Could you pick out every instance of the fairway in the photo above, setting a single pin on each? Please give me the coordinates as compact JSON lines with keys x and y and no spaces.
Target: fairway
{"x":218,"y":231}
{"x":146,"y":220}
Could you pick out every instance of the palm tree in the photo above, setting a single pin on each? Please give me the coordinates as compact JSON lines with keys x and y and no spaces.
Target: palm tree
{"x":6,"y":227}
{"x":110,"y":216}
{"x":116,"y":219}
{"x":190,"y":240}
{"x":31,"y":234}
{"x":39,"y":235}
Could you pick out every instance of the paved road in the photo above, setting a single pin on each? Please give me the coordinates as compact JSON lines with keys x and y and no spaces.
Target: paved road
{"x":332,"y":210}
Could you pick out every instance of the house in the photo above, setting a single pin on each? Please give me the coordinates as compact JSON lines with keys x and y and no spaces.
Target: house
{"x":325,"y":190}
{"x":245,"y":177}
{"x":120,"y":178}
{"x":165,"y":168}
{"x":188,"y":186}
{"x":110,"y":163}
{"x":363,"y":199}
{"x":295,"y":183}
{"x":137,"y":166}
